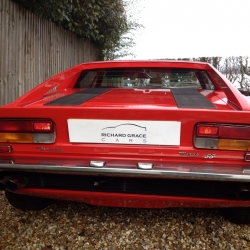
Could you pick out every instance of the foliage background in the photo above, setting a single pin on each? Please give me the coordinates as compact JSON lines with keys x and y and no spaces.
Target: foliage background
{"x":105,"y":22}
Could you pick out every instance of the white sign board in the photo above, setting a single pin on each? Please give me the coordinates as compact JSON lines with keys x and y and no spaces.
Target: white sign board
{"x":124,"y":132}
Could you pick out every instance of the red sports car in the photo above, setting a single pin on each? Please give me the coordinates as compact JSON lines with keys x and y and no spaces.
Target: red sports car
{"x":145,"y":134}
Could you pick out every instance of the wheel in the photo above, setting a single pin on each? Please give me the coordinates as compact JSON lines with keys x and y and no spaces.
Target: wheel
{"x":26,"y":202}
{"x":238,"y":215}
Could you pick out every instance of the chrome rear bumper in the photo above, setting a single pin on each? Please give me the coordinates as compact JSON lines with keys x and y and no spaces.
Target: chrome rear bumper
{"x":141,"y":170}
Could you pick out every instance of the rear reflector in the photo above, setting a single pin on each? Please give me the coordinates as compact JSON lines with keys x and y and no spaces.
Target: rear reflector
{"x":5,"y":149}
{"x":247,"y":157}
{"x":222,"y":136}
{"x":27,"y":131}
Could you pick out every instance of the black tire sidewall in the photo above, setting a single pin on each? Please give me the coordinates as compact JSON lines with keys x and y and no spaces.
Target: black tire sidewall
{"x":26,"y":202}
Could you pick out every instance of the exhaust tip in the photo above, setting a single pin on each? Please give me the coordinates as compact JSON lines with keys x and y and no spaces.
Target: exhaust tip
{"x":15,"y":184}
{"x":243,"y":194}
{"x":10,"y":185}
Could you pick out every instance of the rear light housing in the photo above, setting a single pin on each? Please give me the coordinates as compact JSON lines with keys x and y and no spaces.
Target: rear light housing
{"x":222,"y":136}
{"x":27,"y":131}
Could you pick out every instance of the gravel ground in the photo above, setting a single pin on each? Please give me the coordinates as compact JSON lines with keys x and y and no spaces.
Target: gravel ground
{"x":70,"y":225}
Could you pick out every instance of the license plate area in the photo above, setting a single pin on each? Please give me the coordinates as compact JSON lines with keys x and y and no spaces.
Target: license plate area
{"x":124,"y":132}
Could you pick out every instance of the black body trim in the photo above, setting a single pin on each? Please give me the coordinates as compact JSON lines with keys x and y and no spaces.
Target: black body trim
{"x":191,"y":98}
{"x":78,"y":97}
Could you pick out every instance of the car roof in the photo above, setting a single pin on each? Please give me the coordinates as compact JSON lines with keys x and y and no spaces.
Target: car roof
{"x":149,"y":63}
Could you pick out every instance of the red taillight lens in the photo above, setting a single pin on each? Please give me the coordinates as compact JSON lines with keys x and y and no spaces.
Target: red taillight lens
{"x":224,"y":131}
{"x":25,"y":126}
{"x":206,"y":130}
{"x":235,"y":132}
{"x":15,"y":126}
{"x":43,"y":126}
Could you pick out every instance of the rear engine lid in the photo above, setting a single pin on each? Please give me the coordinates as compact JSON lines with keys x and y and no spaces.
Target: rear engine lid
{"x":146,"y":98}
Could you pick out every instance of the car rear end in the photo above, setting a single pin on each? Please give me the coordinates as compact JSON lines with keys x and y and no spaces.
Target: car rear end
{"x":130,"y":134}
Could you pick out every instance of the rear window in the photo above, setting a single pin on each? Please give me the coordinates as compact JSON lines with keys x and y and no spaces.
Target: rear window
{"x":162,"y":78}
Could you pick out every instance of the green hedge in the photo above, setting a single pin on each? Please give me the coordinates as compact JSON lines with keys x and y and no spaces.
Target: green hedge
{"x":103,"y":21}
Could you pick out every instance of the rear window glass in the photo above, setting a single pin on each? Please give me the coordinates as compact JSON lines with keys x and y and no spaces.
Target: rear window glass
{"x":162,"y":78}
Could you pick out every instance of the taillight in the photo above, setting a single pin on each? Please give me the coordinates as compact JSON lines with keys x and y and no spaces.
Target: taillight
{"x":235,"y":132}
{"x":222,"y":136}
{"x":27,"y":131}
{"x":15,"y":126}
{"x":43,"y":126}
{"x":207,"y":130}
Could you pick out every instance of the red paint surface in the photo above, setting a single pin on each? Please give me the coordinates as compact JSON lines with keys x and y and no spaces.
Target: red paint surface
{"x":132,"y":200}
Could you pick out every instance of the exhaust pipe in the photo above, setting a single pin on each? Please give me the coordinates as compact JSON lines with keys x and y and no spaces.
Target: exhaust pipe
{"x":13,"y":184}
{"x":243,"y":193}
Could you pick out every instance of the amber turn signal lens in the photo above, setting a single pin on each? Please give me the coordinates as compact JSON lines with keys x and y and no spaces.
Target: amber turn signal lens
{"x":233,"y":144}
{"x":16,"y":137}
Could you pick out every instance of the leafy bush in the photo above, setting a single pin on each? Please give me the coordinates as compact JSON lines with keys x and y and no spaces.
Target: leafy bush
{"x":105,"y":22}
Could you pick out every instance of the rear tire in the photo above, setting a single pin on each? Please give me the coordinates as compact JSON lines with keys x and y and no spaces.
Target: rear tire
{"x":238,"y":215}
{"x":26,"y":202}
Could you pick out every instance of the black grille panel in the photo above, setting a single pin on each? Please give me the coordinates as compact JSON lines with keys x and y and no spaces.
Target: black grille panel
{"x":165,"y":187}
